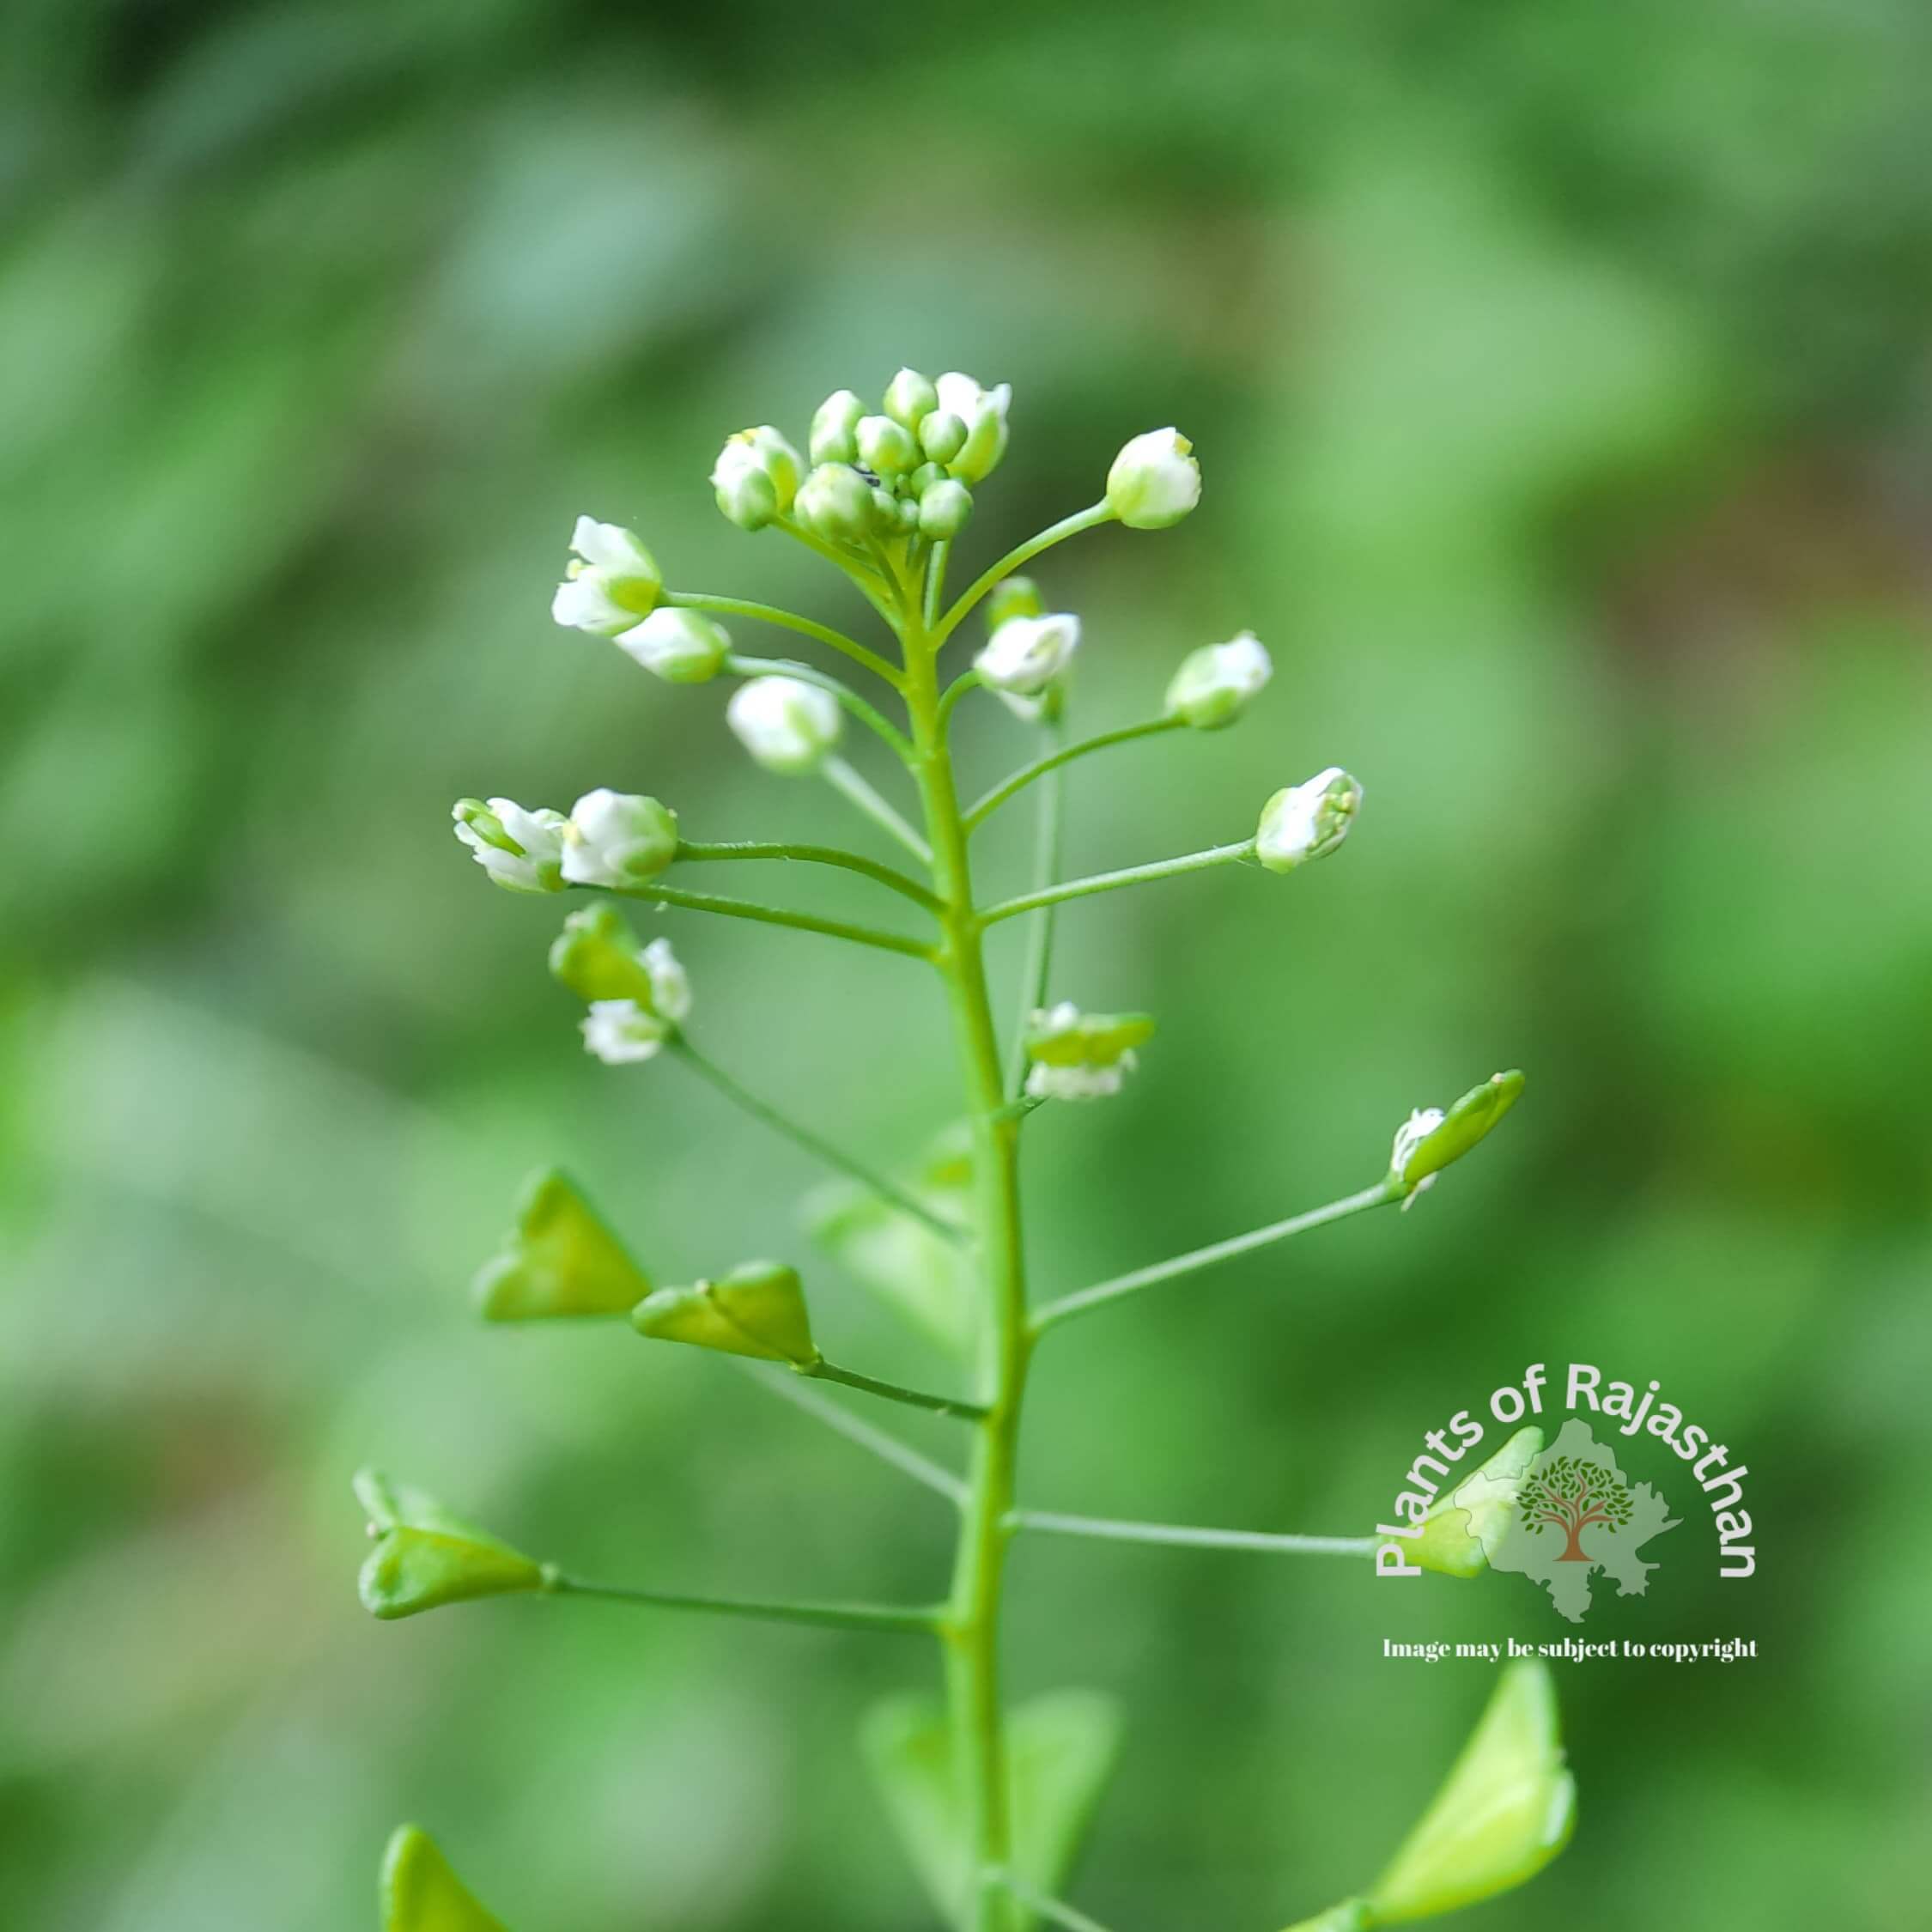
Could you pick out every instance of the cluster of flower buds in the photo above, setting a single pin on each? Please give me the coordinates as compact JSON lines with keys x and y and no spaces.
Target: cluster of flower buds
{"x":1029,"y":649}
{"x":1307,"y":821}
{"x":1432,"y":1137}
{"x":616,"y":839}
{"x":638,"y":997}
{"x":1071,"y":1055}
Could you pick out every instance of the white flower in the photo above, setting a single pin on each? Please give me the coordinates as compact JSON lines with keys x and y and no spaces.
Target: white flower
{"x":522,"y":851}
{"x":1409,"y":1136}
{"x":1155,"y":480}
{"x":619,"y":1032}
{"x":1024,"y":655}
{"x":671,"y":985}
{"x":984,"y":413}
{"x":611,"y":583}
{"x":1215,"y":685}
{"x":1307,"y":821}
{"x":1082,"y":1056}
{"x":680,"y":646}
{"x":1078,"y":1083}
{"x":616,"y":839}
{"x":786,"y":723}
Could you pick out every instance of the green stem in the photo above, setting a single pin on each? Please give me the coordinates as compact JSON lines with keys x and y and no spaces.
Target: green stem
{"x":936,"y":581}
{"x":851,"y":563}
{"x":907,"y":1461}
{"x":1055,"y":1911}
{"x":1037,"y":972}
{"x":873,"y":719}
{"x":1112,"y":881}
{"x":1055,"y":534}
{"x":1110,"y":1529}
{"x":851,"y":786}
{"x":1054,"y":1313}
{"x":940,"y":1405}
{"x":691,"y":851}
{"x":985,"y":808}
{"x":779,"y":915}
{"x":786,"y":620}
{"x":914,"y":1619}
{"x":814,"y":1144}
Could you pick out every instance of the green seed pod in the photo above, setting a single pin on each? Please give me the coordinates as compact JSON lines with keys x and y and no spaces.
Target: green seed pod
{"x":559,"y":1259}
{"x":425,"y":1558}
{"x":758,"y":1309}
{"x":1430,"y":1139}
{"x":421,"y":1893}
{"x":1462,"y":1530}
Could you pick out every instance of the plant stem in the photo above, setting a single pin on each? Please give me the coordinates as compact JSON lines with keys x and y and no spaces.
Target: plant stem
{"x":868,"y":715}
{"x":786,"y":620}
{"x":1054,"y":1313}
{"x":1038,"y":970}
{"x":1112,"y":882}
{"x":692,"y":851}
{"x":940,"y":1405}
{"x":855,"y":1428}
{"x":850,"y":785}
{"x":936,"y":635}
{"x":1110,"y":1529}
{"x":914,"y":1619}
{"x":815,"y":1144}
{"x":779,"y":915}
{"x":1055,"y":1911}
{"x":1064,"y":755}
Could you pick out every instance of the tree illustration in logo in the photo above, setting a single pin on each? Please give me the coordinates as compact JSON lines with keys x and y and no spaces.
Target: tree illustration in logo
{"x":1570,"y":1493}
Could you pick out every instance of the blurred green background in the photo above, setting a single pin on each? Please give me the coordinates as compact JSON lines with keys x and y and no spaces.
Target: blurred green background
{"x":1559,"y":372}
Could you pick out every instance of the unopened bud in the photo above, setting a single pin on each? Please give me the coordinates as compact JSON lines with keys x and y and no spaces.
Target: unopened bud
{"x":943,"y":510}
{"x":885,"y":447}
{"x":617,"y":839}
{"x":1155,"y":480}
{"x":911,"y":397}
{"x":984,"y":413}
{"x":1013,"y":597}
{"x":1026,"y":654}
{"x":836,"y":503}
{"x":1216,"y":683}
{"x":755,"y":477}
{"x":835,"y":427}
{"x":788,"y":725}
{"x":1307,"y":821}
{"x":522,"y":851}
{"x":680,"y":646}
{"x":757,"y":1309}
{"x":942,"y":436}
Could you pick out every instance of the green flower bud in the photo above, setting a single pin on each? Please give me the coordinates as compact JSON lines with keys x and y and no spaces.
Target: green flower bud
{"x":1073,"y":1055}
{"x":942,"y":436}
{"x":1461,"y":1531}
{"x":1013,"y":597}
{"x":885,"y":511}
{"x":680,"y":646}
{"x":757,"y":1309}
{"x":612,"y":581}
{"x":597,"y":956}
{"x":943,"y":510}
{"x":924,"y":478}
{"x":421,"y":1893}
{"x":559,"y":1259}
{"x":1307,"y":821}
{"x":1155,"y":480}
{"x":1504,"y":1811}
{"x":425,"y":1558}
{"x":886,"y":447}
{"x":984,"y":413}
{"x":907,"y":515}
{"x":1430,"y":1139}
{"x":911,"y":397}
{"x":1216,"y":683}
{"x":522,"y":851}
{"x":835,"y":425}
{"x":617,"y":839}
{"x":836,"y":503}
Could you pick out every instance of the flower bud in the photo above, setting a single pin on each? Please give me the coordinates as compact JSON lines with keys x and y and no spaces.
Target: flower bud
{"x":617,"y":839}
{"x":836,"y":503}
{"x":1504,"y":1811}
{"x":942,"y":436}
{"x":755,"y":477}
{"x":624,"y":1032}
{"x":1026,"y":654}
{"x":1013,"y":597}
{"x":522,"y":851}
{"x":1216,"y":683}
{"x":944,"y":509}
{"x":911,"y":397}
{"x":611,"y":583}
{"x":559,"y":1259}
{"x":1307,"y":821}
{"x":786,"y":723}
{"x":680,"y":646}
{"x":421,"y":1893}
{"x":1460,"y":1532}
{"x":984,"y":413}
{"x":1431,"y":1138}
{"x":425,"y":1558}
{"x":1073,"y":1055}
{"x":597,"y":957}
{"x":1155,"y":480}
{"x":886,"y":447}
{"x":757,"y":1309}
{"x":835,"y":425}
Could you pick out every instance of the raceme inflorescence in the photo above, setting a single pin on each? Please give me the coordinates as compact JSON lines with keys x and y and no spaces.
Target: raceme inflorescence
{"x":990,"y":1799}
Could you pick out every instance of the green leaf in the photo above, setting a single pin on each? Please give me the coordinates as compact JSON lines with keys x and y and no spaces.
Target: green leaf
{"x":757,"y":1309}
{"x":421,"y":1893}
{"x":1060,"y":1750}
{"x":1461,"y":1530}
{"x":425,"y":1558}
{"x":1504,"y":1811}
{"x":559,"y":1259}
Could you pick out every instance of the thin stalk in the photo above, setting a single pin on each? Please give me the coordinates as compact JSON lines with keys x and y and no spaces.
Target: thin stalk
{"x":779,"y":915}
{"x":1055,"y":1911}
{"x":851,"y":563}
{"x":841,"y":1421}
{"x":873,"y":719}
{"x":1037,"y":974}
{"x":967,"y":680}
{"x":1054,"y":1313}
{"x":936,"y":581}
{"x":1112,"y":881}
{"x":984,"y":808}
{"x":915,"y":1620}
{"x":915,"y":1398}
{"x":692,"y":851}
{"x":1110,"y":1529}
{"x":1055,"y":534}
{"x":786,"y":620}
{"x":814,"y":1144}
{"x":851,"y":786}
